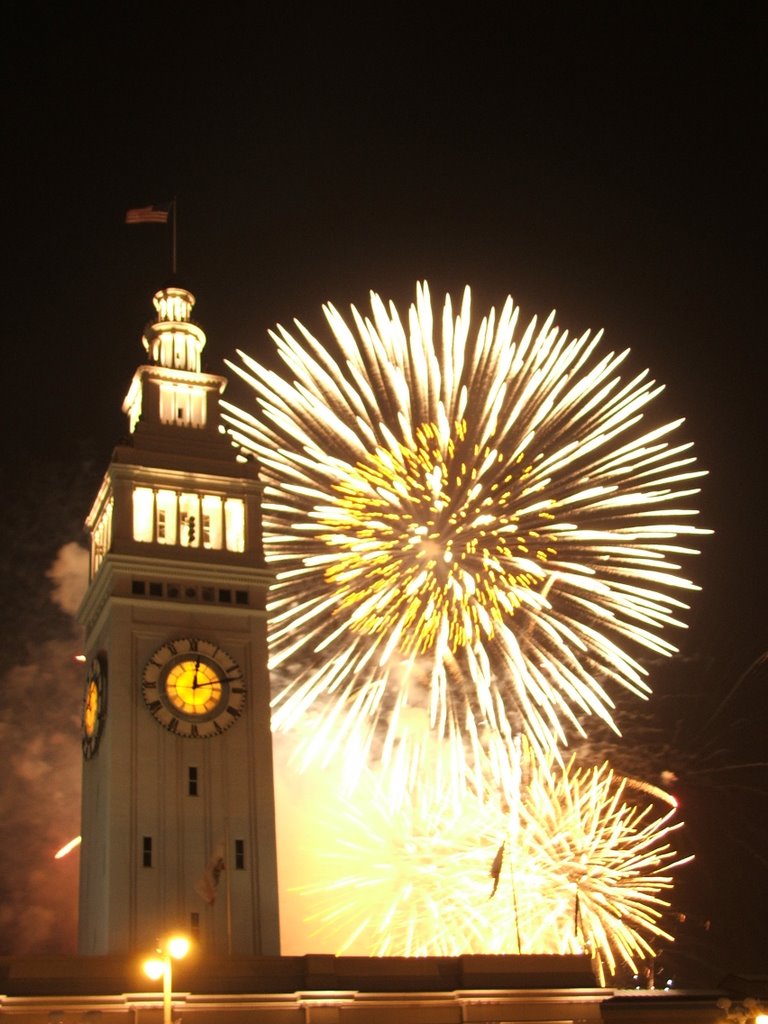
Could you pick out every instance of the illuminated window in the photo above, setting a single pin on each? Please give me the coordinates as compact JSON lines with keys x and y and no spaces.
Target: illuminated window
{"x":132,"y":404}
{"x":101,"y":539}
{"x":191,"y":520}
{"x":182,"y":405}
{"x":179,"y":350}
{"x":177,"y":406}
{"x":166,"y":517}
{"x":234,"y":524}
{"x":178,"y":308}
{"x":212,"y":522}
{"x":189,"y":512}
{"x":143,"y":502}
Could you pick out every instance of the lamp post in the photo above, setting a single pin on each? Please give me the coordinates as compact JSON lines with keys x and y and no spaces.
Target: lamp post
{"x":173,"y":948}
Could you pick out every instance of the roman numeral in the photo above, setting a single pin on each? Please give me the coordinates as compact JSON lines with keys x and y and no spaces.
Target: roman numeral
{"x":155,"y":705}
{"x":235,"y":712}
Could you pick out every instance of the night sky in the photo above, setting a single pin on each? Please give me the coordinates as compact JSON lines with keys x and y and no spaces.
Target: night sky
{"x":595,"y":161}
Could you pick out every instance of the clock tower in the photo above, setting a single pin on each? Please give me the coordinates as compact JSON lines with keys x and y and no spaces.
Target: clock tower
{"x":178,"y":820}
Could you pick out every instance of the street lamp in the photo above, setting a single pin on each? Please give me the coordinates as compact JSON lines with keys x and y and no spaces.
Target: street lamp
{"x":174,"y":947}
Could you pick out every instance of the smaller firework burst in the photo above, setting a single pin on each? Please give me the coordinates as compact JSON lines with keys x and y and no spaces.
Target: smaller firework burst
{"x":593,"y":869}
{"x":579,"y":861}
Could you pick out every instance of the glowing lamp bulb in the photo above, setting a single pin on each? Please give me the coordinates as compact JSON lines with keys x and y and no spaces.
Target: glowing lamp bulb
{"x":154,"y":968}
{"x":178,"y":946}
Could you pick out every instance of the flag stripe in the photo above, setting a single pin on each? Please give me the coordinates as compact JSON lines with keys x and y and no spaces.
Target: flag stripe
{"x":148,"y":215}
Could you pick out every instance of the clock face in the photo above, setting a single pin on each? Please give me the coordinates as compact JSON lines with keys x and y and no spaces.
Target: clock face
{"x":94,"y":706}
{"x":193,"y":688}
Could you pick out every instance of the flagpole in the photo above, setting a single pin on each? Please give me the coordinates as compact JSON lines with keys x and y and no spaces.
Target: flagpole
{"x":517,"y":916}
{"x":173,"y":236}
{"x":229,"y":862}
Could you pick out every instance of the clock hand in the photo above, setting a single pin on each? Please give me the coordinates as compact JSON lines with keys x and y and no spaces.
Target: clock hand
{"x":195,"y":683}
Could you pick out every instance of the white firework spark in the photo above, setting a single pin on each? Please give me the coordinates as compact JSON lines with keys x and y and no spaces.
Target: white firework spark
{"x":476,"y":523}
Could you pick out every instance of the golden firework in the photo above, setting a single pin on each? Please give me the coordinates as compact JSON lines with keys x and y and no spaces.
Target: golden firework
{"x":478,"y":524}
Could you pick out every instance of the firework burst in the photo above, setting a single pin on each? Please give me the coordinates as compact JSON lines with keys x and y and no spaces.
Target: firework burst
{"x":594,"y":865}
{"x":474,"y":523}
{"x":580,"y":861}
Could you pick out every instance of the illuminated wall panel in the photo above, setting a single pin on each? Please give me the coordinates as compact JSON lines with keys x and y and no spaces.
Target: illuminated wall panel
{"x":143,"y":504}
{"x":101,"y":538}
{"x":234,"y":511}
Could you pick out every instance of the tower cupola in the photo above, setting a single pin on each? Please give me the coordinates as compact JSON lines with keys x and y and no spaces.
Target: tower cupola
{"x":171,"y":391}
{"x":174,"y":340}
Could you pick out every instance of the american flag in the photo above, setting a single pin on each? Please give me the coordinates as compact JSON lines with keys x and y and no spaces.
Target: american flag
{"x":157,"y":214}
{"x":208,"y":883}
